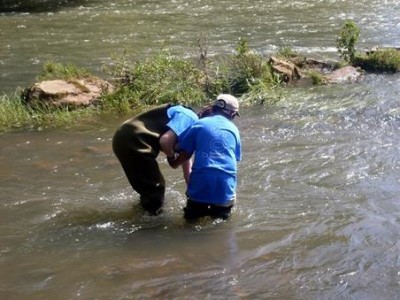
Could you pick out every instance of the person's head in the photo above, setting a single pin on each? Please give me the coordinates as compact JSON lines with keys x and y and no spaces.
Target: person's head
{"x":225,"y":104}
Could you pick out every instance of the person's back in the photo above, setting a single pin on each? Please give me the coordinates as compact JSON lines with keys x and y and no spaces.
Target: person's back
{"x":138,"y":142}
{"x":215,"y":141}
{"x":217,"y":146}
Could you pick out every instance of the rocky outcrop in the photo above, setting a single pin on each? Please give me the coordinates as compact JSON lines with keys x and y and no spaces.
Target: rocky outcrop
{"x":285,"y":68}
{"x":295,"y":69}
{"x":87,"y":91}
{"x":344,"y":75}
{"x":61,"y":93}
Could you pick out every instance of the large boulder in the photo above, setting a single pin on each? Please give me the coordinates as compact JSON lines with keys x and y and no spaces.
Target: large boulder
{"x":286,"y":69}
{"x":348,"y":74}
{"x":72,"y":93}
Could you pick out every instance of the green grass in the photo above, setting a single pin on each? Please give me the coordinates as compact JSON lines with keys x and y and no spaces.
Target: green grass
{"x":163,"y":78}
{"x":52,"y":70}
{"x":316,"y":77}
{"x":385,"y":60}
{"x":15,"y":114}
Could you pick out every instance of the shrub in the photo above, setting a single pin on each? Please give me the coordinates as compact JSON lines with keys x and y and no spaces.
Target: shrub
{"x":163,"y":78}
{"x":121,"y":101}
{"x":316,"y":77}
{"x":214,"y":79}
{"x":346,"y":42}
{"x":159,"y":79}
{"x":246,"y":68}
{"x":385,"y":60}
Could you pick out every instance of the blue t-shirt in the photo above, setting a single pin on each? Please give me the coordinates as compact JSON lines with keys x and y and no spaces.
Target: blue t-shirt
{"x":180,"y":119}
{"x":215,"y":140}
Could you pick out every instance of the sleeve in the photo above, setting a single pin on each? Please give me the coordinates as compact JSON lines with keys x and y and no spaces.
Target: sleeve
{"x":238,"y":150}
{"x":179,"y":121}
{"x":188,"y":140}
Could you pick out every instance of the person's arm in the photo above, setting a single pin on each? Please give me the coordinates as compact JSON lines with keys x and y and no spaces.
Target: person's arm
{"x":180,"y":159}
{"x":187,"y":169}
{"x":167,"y":143}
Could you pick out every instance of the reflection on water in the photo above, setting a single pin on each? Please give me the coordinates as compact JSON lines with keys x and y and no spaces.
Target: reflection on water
{"x":318,"y":215}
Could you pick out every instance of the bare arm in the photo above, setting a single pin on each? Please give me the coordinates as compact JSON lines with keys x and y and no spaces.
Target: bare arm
{"x":179,"y":159}
{"x":187,"y":169}
{"x":167,"y":143}
{"x":182,"y":159}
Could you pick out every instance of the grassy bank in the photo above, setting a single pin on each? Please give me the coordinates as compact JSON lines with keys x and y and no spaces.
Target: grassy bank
{"x":14,"y":114}
{"x":141,"y":82}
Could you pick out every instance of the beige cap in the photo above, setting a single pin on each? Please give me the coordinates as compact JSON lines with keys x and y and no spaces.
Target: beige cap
{"x":228,"y":102}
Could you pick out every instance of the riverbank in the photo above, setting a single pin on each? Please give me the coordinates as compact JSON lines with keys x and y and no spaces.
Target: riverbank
{"x":163,"y":78}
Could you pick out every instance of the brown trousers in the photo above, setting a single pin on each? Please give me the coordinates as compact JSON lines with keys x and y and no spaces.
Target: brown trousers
{"x":136,"y":145}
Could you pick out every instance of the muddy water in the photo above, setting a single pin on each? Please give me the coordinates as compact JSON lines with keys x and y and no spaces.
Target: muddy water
{"x":89,"y":33}
{"x":318,"y":214}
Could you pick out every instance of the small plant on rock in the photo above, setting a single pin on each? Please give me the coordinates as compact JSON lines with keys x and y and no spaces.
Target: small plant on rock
{"x":346,"y":42}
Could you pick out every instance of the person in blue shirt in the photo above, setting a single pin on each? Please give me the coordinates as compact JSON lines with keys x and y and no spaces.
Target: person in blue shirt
{"x":215,"y":142}
{"x":138,"y":142}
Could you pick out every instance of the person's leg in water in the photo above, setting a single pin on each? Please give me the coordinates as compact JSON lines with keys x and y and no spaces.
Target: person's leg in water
{"x":145,"y":177}
{"x":143,"y":173}
{"x":195,"y":210}
{"x":150,"y":184}
{"x":220,"y":212}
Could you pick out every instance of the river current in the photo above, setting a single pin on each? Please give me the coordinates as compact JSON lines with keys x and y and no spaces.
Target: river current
{"x":318,"y":211}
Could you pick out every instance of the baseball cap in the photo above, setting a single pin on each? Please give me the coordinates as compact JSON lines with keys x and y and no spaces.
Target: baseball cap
{"x":228,"y":102}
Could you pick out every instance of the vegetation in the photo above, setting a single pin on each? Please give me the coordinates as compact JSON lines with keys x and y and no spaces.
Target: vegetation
{"x":162,"y":78}
{"x":14,"y":113}
{"x":155,"y":80}
{"x":287,"y":52}
{"x":381,"y":60}
{"x":346,"y":42}
{"x":316,"y":77}
{"x":158,"y":79}
{"x":248,"y":70}
{"x":52,"y":70}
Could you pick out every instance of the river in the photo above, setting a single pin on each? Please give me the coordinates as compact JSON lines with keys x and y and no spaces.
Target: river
{"x":318,"y":212}
{"x":89,"y":33}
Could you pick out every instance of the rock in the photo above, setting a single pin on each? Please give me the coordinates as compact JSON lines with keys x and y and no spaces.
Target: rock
{"x":346,"y":74}
{"x":313,"y":64}
{"x":73,"y":93}
{"x":298,"y":70}
{"x":288,"y":70}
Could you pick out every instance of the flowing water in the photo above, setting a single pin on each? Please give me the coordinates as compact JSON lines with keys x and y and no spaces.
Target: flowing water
{"x":318,"y":212}
{"x":89,"y":32}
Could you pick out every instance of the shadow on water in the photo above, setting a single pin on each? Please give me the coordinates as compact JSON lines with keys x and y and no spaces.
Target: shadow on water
{"x":39,"y":6}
